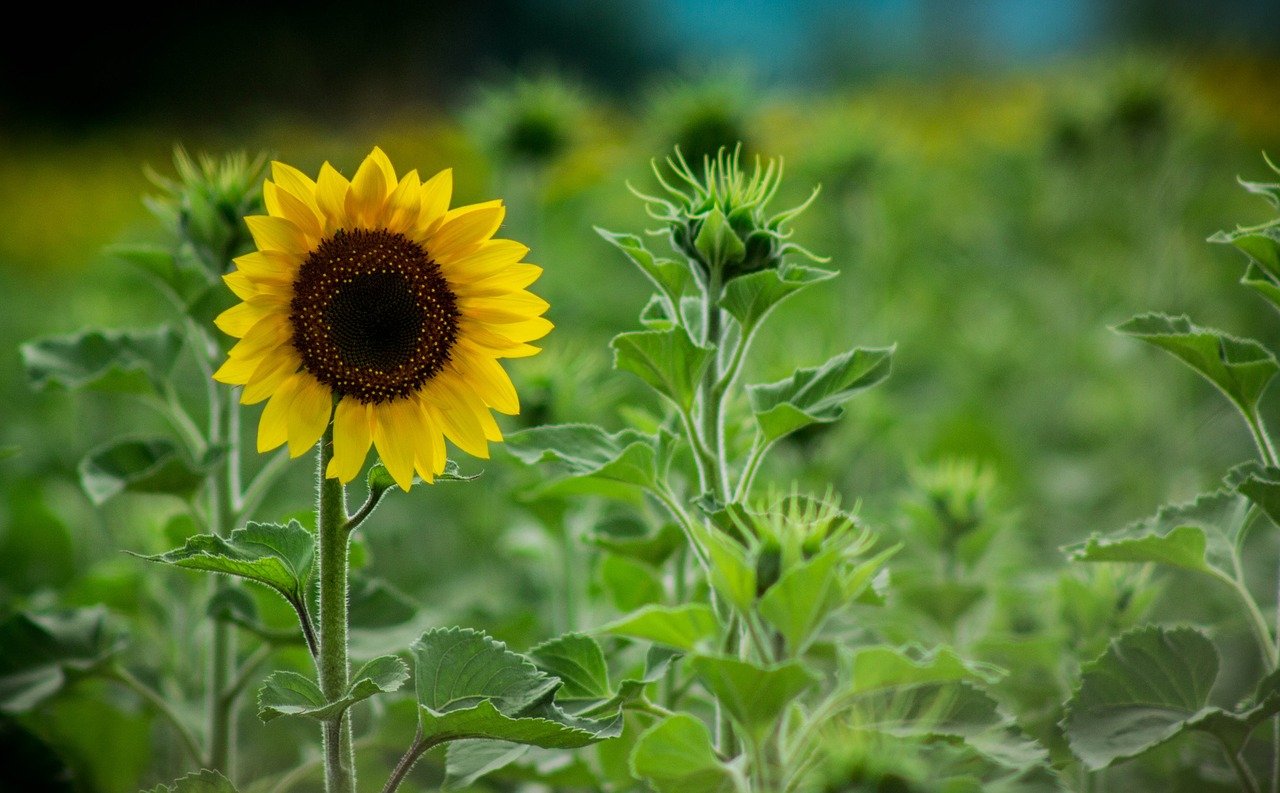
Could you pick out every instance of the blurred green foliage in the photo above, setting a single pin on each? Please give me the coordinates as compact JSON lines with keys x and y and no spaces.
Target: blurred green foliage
{"x":992,"y":229}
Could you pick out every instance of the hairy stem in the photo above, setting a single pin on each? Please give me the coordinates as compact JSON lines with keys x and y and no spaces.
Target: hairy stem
{"x":332,"y":666}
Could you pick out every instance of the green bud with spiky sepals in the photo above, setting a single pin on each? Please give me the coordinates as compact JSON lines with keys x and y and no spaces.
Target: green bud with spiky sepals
{"x":206,"y":205}
{"x":720,"y":220}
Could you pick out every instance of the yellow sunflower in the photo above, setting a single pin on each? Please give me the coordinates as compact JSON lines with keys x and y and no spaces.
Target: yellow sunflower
{"x":371,"y":303}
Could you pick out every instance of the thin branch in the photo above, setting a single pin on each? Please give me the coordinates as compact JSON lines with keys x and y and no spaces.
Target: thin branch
{"x":189,"y":742}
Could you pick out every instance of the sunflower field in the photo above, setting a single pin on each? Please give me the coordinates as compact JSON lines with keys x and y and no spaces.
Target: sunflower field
{"x":909,"y":434}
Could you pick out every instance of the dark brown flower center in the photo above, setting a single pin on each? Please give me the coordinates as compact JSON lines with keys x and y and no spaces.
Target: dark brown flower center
{"x":372,"y":315}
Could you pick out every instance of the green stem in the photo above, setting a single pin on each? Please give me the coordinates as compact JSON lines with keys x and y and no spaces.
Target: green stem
{"x":416,"y":750}
{"x":222,"y":655}
{"x":332,"y":666}
{"x":712,"y":421}
{"x":1261,"y":438}
{"x":189,"y":742}
{"x":1257,"y":622}
{"x":1248,"y":782}
{"x":759,"y":449}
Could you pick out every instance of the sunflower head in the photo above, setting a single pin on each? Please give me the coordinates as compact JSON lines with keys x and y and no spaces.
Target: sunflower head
{"x":371,"y":303}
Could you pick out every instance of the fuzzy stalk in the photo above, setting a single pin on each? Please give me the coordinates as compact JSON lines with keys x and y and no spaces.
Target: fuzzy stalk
{"x":332,"y":666}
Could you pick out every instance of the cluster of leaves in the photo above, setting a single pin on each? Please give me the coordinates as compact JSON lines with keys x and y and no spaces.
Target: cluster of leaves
{"x":1155,"y":683}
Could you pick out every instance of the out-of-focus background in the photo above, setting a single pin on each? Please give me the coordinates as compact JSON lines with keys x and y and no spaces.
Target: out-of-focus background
{"x":1002,"y":180}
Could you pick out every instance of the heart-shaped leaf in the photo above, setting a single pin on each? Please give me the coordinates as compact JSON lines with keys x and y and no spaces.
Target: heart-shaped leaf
{"x":291,"y":694}
{"x":755,"y":696}
{"x":816,"y":395}
{"x":669,"y":361}
{"x":136,"y":361}
{"x":682,"y":627}
{"x":585,"y":450}
{"x":677,"y":756}
{"x":148,"y":465}
{"x":750,"y":298}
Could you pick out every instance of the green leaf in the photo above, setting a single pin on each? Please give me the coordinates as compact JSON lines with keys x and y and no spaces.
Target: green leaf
{"x":467,"y":761}
{"x":656,"y":663}
{"x":1261,"y":245}
{"x":292,"y":694}
{"x":669,"y":361}
{"x":652,"y":548}
{"x":881,"y":667}
{"x":1258,"y":281}
{"x":677,"y":756}
{"x":1240,"y":368}
{"x":732,"y":573}
{"x":280,"y":557}
{"x":1260,"y":484}
{"x":682,"y":627}
{"x":470,"y":686}
{"x":803,"y":598}
{"x":670,"y":277}
{"x":585,"y":450}
{"x":1151,"y":684}
{"x":657,"y":314}
{"x":136,"y":361}
{"x":750,"y":298}
{"x":630,"y":584}
{"x":188,"y":281}
{"x":579,"y":663}
{"x":717,"y":241}
{"x":1199,"y":535}
{"x":815,"y":395}
{"x":41,"y":653}
{"x":204,"y":781}
{"x":755,"y":696}
{"x":153,"y":465}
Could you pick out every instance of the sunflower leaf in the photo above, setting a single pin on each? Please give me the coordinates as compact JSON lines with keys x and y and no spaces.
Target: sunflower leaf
{"x":755,"y":696}
{"x":815,"y":395}
{"x":203,"y":781}
{"x":579,"y":663}
{"x":1240,"y":368}
{"x":1260,"y":282}
{"x":585,"y":450}
{"x":750,"y":298}
{"x":279,"y":556}
{"x":145,"y":465}
{"x":291,"y":694}
{"x":803,"y":598}
{"x":1150,"y":685}
{"x":41,"y":653}
{"x":669,"y":361}
{"x":681,"y":627}
{"x":1261,"y":245}
{"x":470,"y":686}
{"x":677,"y":756}
{"x":136,"y":361}
{"x":669,"y":276}
{"x":883,"y":667}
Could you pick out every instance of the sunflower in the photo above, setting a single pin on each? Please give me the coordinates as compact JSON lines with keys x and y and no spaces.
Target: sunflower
{"x":372,"y":304}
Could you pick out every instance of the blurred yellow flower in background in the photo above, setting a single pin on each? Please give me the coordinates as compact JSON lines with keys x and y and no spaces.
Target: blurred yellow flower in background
{"x":371,"y":302}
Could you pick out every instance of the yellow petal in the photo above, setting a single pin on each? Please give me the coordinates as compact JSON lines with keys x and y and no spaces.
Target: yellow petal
{"x":331,"y":196}
{"x":405,"y":205}
{"x":271,"y":331}
{"x":283,"y":204}
{"x":512,"y":307}
{"x":237,"y":320}
{"x":277,"y":234}
{"x":488,"y":378}
{"x":487,"y":260}
{"x":351,"y":438}
{"x":272,"y":370}
{"x":301,"y":186}
{"x":240,"y":284}
{"x":435,"y":195}
{"x":512,"y":279}
{"x":463,"y":233}
{"x":369,"y":188}
{"x":235,"y":371}
{"x":269,"y":265}
{"x":308,"y":415}
{"x":395,"y":425}
{"x":273,"y":428}
{"x":429,"y":456}
{"x":457,"y":420}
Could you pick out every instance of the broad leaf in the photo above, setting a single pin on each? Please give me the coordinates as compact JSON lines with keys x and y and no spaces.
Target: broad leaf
{"x":292,"y":694}
{"x":669,"y":361}
{"x":1260,"y":484}
{"x":815,"y":395}
{"x":682,"y":627}
{"x":136,"y":361}
{"x":652,"y":548}
{"x":153,"y":465}
{"x":467,"y":761}
{"x":749,"y":298}
{"x":470,"y":686}
{"x":280,"y":557}
{"x":803,"y":598}
{"x":587,"y":450}
{"x":1199,"y":535}
{"x":1261,"y":245}
{"x":204,"y":781}
{"x":1258,"y":281}
{"x":717,"y":241}
{"x":1240,"y":368}
{"x":755,"y":696}
{"x":1150,"y":685}
{"x":733,"y":574}
{"x":187,"y":280}
{"x":677,"y":756}
{"x":41,"y":653}
{"x":881,"y":667}
{"x":669,"y":276}
{"x":579,"y":663}
{"x":630,"y":584}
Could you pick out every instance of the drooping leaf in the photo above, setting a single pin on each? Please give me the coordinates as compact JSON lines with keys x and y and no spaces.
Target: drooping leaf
{"x":41,"y":653}
{"x":1199,"y":535}
{"x":669,"y":361}
{"x":1151,"y":684}
{"x":755,"y":696}
{"x":881,"y":667}
{"x":1239,"y":368}
{"x":587,"y":450}
{"x":467,"y":761}
{"x":291,"y":694}
{"x":750,"y":298}
{"x":803,"y":598}
{"x":188,"y":280}
{"x":677,"y":756}
{"x":470,"y":686}
{"x":669,"y":276}
{"x":816,"y":395}
{"x":579,"y":663}
{"x":682,"y":627}
{"x":204,"y":781}
{"x":1261,"y":245}
{"x":151,"y":465}
{"x":279,"y":556}
{"x":657,"y":661}
{"x":137,"y":361}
